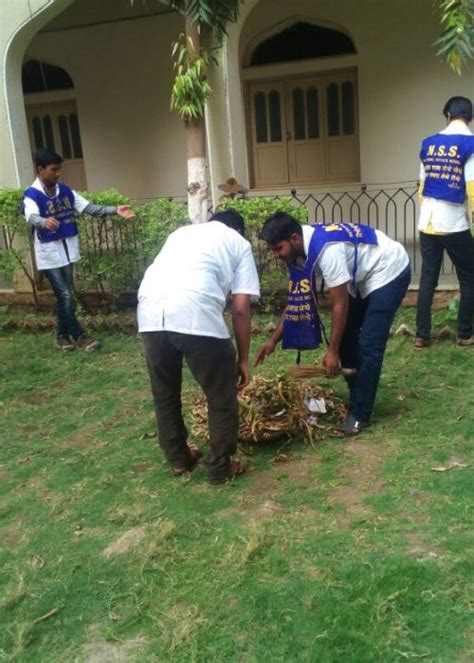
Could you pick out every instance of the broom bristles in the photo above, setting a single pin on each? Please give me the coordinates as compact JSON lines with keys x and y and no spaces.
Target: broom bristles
{"x":309,"y":371}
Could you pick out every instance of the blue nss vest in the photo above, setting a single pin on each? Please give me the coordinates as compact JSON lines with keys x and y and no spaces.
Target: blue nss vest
{"x":302,"y":327}
{"x":443,"y":157}
{"x":61,"y":207}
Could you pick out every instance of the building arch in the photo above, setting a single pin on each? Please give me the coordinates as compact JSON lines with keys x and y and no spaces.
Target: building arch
{"x":300,"y":94}
{"x":304,"y":25}
{"x":20,"y":25}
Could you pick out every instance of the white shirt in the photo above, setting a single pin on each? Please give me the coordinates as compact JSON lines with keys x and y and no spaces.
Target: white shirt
{"x":186,"y":288}
{"x":377,"y":264}
{"x":51,"y":255}
{"x":447,"y":217}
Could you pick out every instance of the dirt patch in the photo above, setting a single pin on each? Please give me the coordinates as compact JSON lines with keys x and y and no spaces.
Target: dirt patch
{"x":83,"y":438}
{"x":360,"y":480}
{"x":269,"y":484}
{"x":421,"y":549}
{"x":297,"y":470}
{"x":108,"y":652}
{"x":36,"y":398}
{"x":142,"y":468}
{"x":38,"y":486}
{"x":441,"y":298}
{"x":267,"y":509}
{"x":11,"y":535}
{"x":125,"y":542}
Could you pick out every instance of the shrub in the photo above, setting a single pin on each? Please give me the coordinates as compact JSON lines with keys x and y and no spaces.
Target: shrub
{"x":13,"y":258}
{"x":272,"y":273}
{"x":115,"y":252}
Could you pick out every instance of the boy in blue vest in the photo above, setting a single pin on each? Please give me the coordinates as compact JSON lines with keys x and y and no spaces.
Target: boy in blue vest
{"x":50,"y":207}
{"x":367,"y":275}
{"x":447,"y":193}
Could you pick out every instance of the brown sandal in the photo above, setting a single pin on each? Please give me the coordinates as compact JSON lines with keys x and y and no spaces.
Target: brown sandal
{"x":196,"y":455}
{"x":238,"y":467}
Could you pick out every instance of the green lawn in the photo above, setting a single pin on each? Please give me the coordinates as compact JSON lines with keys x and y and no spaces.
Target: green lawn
{"x":352,"y":551}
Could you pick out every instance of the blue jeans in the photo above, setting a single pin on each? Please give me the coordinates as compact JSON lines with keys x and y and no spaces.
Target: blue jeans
{"x":61,"y":280}
{"x":365,"y":339}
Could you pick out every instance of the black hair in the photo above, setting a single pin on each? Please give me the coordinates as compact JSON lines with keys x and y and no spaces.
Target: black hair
{"x":280,"y":227}
{"x":231,"y":218}
{"x":45,"y":158}
{"x":458,"y":108}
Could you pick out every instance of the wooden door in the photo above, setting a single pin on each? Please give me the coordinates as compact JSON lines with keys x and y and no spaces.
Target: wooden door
{"x":268,"y":129}
{"x":305,"y":130}
{"x":342,"y":134}
{"x":56,"y":127}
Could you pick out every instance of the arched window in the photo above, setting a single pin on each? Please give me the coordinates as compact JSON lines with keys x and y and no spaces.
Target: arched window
{"x":301,"y":41}
{"x":38,"y":76}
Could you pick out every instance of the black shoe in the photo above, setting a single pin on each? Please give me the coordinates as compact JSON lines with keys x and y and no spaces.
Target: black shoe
{"x":87,"y":344}
{"x":65,"y":344}
{"x":350,"y":427}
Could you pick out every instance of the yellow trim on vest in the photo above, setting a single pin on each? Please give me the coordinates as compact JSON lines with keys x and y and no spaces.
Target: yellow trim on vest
{"x":420,"y":191}
{"x":470,"y":196}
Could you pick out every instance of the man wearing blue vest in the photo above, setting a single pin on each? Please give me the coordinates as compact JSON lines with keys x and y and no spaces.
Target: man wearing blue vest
{"x":50,"y":207}
{"x":367,"y":275}
{"x":447,"y":202}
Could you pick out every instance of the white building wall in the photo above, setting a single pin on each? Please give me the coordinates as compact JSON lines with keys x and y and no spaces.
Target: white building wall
{"x":402,"y":85}
{"x":123,"y":74}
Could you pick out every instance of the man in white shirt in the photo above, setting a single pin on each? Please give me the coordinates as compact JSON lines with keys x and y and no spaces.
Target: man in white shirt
{"x":367,"y":275}
{"x":447,"y":202}
{"x":181,"y":301}
{"x":50,"y":207}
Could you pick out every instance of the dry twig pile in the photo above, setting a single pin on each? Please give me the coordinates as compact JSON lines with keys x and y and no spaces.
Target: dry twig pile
{"x":273,"y":408}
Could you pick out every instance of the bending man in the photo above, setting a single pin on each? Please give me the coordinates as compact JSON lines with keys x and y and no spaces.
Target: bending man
{"x":180,"y":316}
{"x":367,"y":275}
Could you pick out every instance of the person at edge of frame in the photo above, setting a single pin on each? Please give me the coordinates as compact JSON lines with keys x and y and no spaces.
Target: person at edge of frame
{"x":181,"y":301}
{"x":367,"y":275}
{"x":50,"y":207}
{"x":446,"y":194}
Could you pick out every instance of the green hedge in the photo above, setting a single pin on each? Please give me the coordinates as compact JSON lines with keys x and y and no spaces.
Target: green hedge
{"x":115,"y":252}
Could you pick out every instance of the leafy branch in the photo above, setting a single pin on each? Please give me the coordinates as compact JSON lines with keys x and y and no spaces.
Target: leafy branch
{"x":211,"y":14}
{"x":191,"y":90}
{"x":456,"y":41}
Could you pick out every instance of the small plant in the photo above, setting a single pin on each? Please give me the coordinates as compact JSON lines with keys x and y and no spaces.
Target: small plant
{"x":17,"y":255}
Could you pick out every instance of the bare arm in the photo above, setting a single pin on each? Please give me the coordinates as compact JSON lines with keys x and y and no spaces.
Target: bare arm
{"x":241,"y":317}
{"x":269,"y":347}
{"x":340,"y":306}
{"x":125,"y":211}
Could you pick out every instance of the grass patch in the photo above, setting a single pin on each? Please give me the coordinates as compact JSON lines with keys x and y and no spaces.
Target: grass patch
{"x":353,"y":551}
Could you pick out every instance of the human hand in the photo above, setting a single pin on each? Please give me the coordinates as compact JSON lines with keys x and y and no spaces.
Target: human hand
{"x":332,"y":362}
{"x":125,"y":211}
{"x":51,"y":223}
{"x":266,"y":350}
{"x":243,"y":374}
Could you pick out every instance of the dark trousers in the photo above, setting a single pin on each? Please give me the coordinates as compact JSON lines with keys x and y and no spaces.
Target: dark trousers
{"x":212,"y":362}
{"x":460,"y":248}
{"x":61,"y":280}
{"x":365,"y":339}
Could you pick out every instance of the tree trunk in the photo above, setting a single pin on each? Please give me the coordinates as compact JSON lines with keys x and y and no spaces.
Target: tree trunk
{"x":196,"y":148}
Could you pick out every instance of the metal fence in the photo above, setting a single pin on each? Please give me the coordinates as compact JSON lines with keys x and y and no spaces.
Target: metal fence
{"x":392,"y":209}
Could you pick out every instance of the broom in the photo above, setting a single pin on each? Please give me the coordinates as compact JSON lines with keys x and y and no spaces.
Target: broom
{"x":311,"y":370}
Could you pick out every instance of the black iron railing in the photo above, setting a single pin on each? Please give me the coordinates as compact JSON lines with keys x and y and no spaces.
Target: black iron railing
{"x":115,"y":254}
